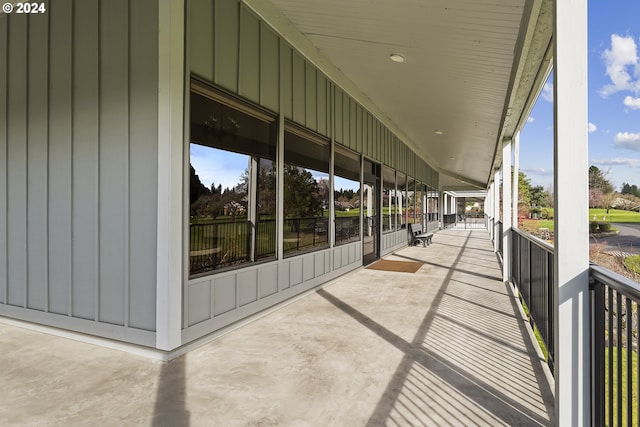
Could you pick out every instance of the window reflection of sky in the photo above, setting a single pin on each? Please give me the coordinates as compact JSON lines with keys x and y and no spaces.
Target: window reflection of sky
{"x":218,"y":166}
{"x":345,"y":184}
{"x":226,"y":167}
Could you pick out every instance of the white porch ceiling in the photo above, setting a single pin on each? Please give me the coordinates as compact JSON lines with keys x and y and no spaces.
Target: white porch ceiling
{"x":471,"y":68}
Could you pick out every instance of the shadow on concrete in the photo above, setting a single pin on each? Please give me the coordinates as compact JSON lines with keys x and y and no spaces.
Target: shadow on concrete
{"x":171,"y":406}
{"x":430,"y":389}
{"x":461,"y":270}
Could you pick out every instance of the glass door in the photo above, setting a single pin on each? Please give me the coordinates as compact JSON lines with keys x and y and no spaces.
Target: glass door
{"x":370,"y":212}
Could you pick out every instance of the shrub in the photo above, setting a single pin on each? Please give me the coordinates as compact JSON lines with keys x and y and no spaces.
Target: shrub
{"x":604,"y":226}
{"x":593,"y":226}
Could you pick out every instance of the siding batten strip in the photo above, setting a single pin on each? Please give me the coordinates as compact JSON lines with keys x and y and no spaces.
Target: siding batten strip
{"x":47,"y":171}
{"x":71,"y":155}
{"x":126,"y":276}
{"x":25,"y":303}
{"x":4,"y":86}
{"x":239,"y":39}
{"x":98,"y":269}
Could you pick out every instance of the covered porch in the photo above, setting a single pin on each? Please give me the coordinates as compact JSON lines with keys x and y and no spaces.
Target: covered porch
{"x":446,"y":345}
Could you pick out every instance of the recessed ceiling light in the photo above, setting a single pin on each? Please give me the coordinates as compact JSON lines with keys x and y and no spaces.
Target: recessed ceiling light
{"x":395,"y":57}
{"x":438,"y":132}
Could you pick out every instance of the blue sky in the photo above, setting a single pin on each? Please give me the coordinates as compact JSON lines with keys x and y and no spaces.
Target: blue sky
{"x":614,"y":100}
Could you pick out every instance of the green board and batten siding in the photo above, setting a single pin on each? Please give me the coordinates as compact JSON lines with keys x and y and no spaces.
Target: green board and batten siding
{"x":244,"y":55}
{"x":78,"y":205}
{"x":79,"y":151}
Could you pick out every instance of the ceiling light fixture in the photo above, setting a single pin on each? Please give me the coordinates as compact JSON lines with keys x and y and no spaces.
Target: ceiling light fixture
{"x":438,"y":132}
{"x":396,"y":57}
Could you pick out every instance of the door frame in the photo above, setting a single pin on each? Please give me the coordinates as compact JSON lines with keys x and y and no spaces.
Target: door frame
{"x":375,"y":175}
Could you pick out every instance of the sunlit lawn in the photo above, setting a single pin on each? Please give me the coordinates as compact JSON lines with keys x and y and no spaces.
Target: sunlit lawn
{"x":614,"y":215}
{"x":634,"y":386}
{"x":532,"y":225}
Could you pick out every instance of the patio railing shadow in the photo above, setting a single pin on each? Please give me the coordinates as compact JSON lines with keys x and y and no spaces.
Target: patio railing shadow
{"x":438,"y":383}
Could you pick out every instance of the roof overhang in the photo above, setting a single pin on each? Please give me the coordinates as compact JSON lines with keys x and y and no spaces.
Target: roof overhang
{"x":471,"y":72}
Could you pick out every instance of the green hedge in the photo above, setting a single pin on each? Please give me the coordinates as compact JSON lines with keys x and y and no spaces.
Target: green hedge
{"x":602,"y":227}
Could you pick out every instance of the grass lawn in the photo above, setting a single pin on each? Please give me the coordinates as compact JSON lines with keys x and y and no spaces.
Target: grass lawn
{"x":634,"y":385}
{"x":633,"y":263}
{"x":615,"y":215}
{"x":536,"y":332}
{"x":532,"y":225}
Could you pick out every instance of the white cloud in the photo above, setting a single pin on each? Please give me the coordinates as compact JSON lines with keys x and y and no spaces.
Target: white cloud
{"x":530,"y":119}
{"x":633,"y":103}
{"x":547,"y":92}
{"x":621,"y":61}
{"x":537,"y":171}
{"x":618,"y":161}
{"x":627,"y":140}
{"x":592,"y":128}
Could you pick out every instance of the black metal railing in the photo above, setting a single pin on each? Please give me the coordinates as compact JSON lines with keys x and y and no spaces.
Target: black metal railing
{"x":498,"y":234}
{"x":305,"y":233}
{"x":214,"y":245}
{"x":614,"y":302}
{"x":220,"y":244}
{"x":266,"y":232}
{"x":347,"y":229}
{"x":472,"y":222}
{"x":532,"y":274}
{"x":615,"y":364}
{"x":448,"y":220}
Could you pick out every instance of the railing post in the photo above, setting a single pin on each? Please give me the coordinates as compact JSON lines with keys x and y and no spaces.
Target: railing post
{"x":506,"y":210}
{"x":597,"y":354}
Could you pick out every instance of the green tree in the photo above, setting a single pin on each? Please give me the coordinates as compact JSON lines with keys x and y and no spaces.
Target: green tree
{"x":598,"y":180}
{"x":524,"y":190}
{"x":267,"y":188}
{"x":538,"y":196}
{"x":302,"y":197}
{"x":630,"y":189}
{"x":196,"y":187}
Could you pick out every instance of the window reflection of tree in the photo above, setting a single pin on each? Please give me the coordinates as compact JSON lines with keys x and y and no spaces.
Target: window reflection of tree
{"x":306,"y":192}
{"x":233,"y":225}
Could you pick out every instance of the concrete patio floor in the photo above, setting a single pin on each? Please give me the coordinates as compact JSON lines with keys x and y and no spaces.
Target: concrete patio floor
{"x":443,"y":346}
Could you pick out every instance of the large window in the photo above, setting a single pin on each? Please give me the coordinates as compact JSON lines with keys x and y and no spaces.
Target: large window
{"x":389,"y":205}
{"x":232,"y":215}
{"x":306,"y":191}
{"x":346,"y":196}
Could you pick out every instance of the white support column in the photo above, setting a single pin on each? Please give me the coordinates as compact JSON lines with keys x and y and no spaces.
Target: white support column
{"x":516,"y":177}
{"x":492,"y":214}
{"x":571,"y":193}
{"x":487,"y":208}
{"x":441,"y":197}
{"x":496,"y":207}
{"x":171,"y":137}
{"x":332,"y":157}
{"x":506,"y":210}
{"x":444,"y":203}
